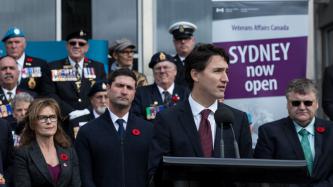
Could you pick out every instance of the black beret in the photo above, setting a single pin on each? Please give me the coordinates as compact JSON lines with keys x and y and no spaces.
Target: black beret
{"x":160,"y":57}
{"x":78,"y":35}
{"x":182,"y":30}
{"x":99,"y":86}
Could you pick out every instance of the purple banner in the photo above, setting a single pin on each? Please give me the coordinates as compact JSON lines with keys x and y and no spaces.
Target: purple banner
{"x":262,"y":68}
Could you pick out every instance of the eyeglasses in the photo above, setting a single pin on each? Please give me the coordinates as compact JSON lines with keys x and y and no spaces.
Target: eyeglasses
{"x":126,"y":52}
{"x":297,"y":103}
{"x":45,"y":119}
{"x":74,"y":43}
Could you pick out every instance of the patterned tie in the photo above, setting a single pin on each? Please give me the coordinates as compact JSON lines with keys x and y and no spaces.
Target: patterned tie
{"x":10,"y":96}
{"x":167,"y":97}
{"x":77,"y":70}
{"x":121,"y":129}
{"x":306,"y":148}
{"x":205,"y":134}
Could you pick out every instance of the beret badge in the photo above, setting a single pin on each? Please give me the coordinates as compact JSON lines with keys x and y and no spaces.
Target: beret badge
{"x":181,"y":28}
{"x":162,"y":56}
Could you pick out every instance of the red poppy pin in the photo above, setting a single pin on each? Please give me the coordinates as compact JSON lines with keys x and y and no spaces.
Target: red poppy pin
{"x":175,"y":98}
{"x":320,"y":129}
{"x":86,"y":59}
{"x":29,"y":59}
{"x":63,"y":157}
{"x":136,"y":132}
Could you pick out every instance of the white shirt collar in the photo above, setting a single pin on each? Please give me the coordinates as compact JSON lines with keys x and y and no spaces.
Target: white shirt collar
{"x":114,"y":118}
{"x":72,"y":62}
{"x":309,"y":128}
{"x":197,"y":107}
{"x":6,"y":92}
{"x":170,"y":89}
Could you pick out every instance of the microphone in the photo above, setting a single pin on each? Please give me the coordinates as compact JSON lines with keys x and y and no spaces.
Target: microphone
{"x":224,"y":116}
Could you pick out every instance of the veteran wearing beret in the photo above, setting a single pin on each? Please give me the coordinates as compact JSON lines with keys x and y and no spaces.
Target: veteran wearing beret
{"x":123,"y":52}
{"x":163,"y":93}
{"x":184,"y":42}
{"x":99,"y":101}
{"x":73,"y":76}
{"x":34,"y":72}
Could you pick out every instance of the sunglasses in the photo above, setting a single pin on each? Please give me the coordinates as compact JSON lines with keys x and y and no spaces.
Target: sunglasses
{"x":297,"y":103}
{"x":74,"y":43}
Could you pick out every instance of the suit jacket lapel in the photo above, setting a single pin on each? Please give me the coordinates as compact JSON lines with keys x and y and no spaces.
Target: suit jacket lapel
{"x":318,"y":143}
{"x":156,"y":96}
{"x":65,"y":164}
{"x":187,"y":122}
{"x":37,"y":157}
{"x":108,"y":122}
{"x":292,"y":136}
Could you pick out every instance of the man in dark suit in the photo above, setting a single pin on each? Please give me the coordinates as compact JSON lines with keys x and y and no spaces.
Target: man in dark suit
{"x":327,"y":98}
{"x":189,"y":128}
{"x":113,"y":149}
{"x":34,"y":72}
{"x":73,"y":76}
{"x":6,"y":150}
{"x":163,"y":93}
{"x":184,"y":42}
{"x":301,"y":135}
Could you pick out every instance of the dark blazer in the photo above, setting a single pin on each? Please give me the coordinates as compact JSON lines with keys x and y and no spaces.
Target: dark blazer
{"x":180,"y":78}
{"x":31,"y":170}
{"x":40,"y":82}
{"x":6,"y":149}
{"x":145,"y":96}
{"x":65,"y":91}
{"x":327,"y":97}
{"x":279,"y":140}
{"x":107,"y":161}
{"x":175,"y":134}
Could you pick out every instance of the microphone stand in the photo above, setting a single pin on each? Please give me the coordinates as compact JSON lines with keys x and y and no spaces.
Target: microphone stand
{"x":222,"y":142}
{"x":235,"y":142}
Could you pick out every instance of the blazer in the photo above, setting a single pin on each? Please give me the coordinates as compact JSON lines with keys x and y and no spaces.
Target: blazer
{"x":65,"y":92}
{"x":327,"y":98}
{"x":145,"y":96}
{"x":175,"y":134}
{"x":31,"y":170}
{"x":106,"y":160}
{"x":279,"y":140}
{"x":35,"y":84}
{"x":6,"y":150}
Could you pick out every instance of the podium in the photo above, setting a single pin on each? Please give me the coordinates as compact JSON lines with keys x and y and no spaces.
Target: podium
{"x":234,"y":170}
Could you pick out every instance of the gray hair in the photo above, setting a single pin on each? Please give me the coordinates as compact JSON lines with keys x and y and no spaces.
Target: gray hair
{"x":302,"y":86}
{"x":22,"y":97}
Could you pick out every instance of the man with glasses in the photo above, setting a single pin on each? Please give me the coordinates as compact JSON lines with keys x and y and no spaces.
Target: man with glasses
{"x":34,"y":72}
{"x":122,"y":51}
{"x":163,"y":93}
{"x":73,"y":76}
{"x":184,"y":42}
{"x":301,"y":135}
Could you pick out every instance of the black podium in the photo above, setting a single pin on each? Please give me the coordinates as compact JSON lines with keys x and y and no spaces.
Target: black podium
{"x":234,"y":170}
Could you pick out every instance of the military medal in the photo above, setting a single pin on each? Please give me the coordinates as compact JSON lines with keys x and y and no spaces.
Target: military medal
{"x":32,"y":83}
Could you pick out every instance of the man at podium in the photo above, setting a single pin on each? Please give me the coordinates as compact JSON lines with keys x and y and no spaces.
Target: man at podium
{"x":189,"y":129}
{"x":301,"y":135}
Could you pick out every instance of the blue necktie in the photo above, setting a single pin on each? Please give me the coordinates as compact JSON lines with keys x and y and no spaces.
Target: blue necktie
{"x":121,"y":129}
{"x":306,"y":149}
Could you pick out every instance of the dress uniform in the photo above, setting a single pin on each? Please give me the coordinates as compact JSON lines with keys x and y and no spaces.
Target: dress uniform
{"x":34,"y":71}
{"x":181,"y":31}
{"x":150,"y":99}
{"x":71,"y":81}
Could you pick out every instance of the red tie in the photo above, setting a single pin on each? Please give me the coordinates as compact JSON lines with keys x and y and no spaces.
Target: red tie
{"x":205,"y":134}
